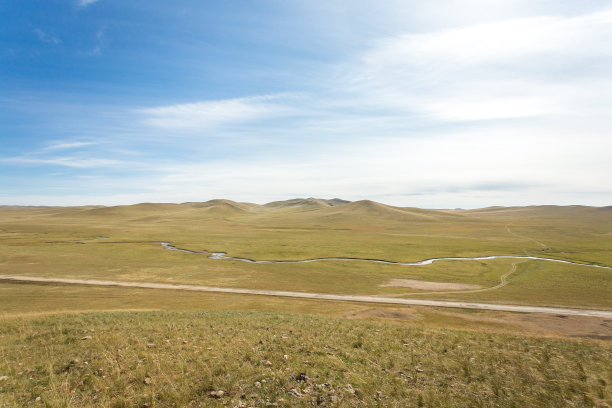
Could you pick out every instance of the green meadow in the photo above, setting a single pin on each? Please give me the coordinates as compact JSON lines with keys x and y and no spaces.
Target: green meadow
{"x":123,"y":243}
{"x":75,"y":345}
{"x":256,"y":359}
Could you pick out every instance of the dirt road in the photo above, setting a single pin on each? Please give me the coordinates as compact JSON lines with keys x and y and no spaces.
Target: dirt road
{"x":320,"y":296}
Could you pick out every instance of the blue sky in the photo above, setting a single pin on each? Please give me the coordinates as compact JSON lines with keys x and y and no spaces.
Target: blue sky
{"x":436,"y":104}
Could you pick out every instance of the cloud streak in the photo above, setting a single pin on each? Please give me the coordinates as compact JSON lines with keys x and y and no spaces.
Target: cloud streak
{"x":69,"y":145}
{"x":46,"y":37}
{"x":74,"y":162}
{"x":212,"y":114}
{"x":85,"y":3}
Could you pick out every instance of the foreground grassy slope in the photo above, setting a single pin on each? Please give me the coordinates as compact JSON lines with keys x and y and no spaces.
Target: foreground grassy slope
{"x":165,"y":359}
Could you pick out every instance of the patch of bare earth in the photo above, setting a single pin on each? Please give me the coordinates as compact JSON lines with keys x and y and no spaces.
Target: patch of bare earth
{"x":540,"y":324}
{"x":384,"y":313}
{"x":424,"y":285}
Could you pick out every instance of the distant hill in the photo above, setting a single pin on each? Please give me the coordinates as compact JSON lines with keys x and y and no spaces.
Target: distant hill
{"x":223,"y":206}
{"x":320,"y":212}
{"x":311,"y":203}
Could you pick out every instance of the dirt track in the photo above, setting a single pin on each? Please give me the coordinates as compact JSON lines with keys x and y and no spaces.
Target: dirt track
{"x":320,"y":296}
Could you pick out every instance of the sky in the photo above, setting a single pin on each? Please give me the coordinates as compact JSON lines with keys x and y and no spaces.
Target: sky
{"x":437,"y":104}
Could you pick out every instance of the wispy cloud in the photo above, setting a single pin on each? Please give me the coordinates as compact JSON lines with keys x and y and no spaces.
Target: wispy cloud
{"x":85,"y":3}
{"x":46,"y":37}
{"x":69,"y":145}
{"x":75,"y":162}
{"x":209,"y":114}
{"x":507,"y":69}
{"x":99,"y":45}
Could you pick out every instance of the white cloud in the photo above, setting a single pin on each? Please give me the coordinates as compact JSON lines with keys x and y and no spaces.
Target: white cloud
{"x":100,"y":43}
{"x":522,"y":67}
{"x":46,"y":37}
{"x":85,"y":3}
{"x":469,"y":169}
{"x":69,"y":145}
{"x":209,"y":114}
{"x":530,"y":111}
{"x":500,"y":112}
{"x":75,"y":162}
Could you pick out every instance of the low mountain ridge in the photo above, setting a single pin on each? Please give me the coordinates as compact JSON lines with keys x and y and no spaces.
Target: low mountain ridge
{"x":310,"y":202}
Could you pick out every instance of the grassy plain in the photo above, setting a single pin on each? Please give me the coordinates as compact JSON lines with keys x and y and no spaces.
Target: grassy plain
{"x":123,"y":244}
{"x":134,"y":355}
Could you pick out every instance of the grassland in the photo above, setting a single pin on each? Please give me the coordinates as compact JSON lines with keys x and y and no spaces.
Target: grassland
{"x":260,"y":359}
{"x":390,"y":356}
{"x":41,"y":242}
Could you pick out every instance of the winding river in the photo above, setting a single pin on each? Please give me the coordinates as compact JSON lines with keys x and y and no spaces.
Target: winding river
{"x":223,"y":256}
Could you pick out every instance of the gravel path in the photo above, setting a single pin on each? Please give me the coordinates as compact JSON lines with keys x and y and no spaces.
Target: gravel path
{"x":320,"y":296}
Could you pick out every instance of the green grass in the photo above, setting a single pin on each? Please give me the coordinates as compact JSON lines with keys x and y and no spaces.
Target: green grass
{"x":363,"y":229}
{"x":164,"y":348}
{"x":162,"y":359}
{"x":558,"y":285}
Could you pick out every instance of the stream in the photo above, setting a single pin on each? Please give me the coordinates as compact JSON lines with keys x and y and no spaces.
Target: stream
{"x":223,"y":256}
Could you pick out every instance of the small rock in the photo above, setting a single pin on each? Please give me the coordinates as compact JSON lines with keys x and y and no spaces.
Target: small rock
{"x":418,"y":370}
{"x":295,"y":392}
{"x":217,"y":394}
{"x":150,"y":345}
{"x":379,"y":394}
{"x":184,"y":341}
{"x":267,"y":363}
{"x":86,"y":338}
{"x":301,"y":377}
{"x":38,"y":399}
{"x":285,"y":357}
{"x":4,"y":378}
{"x":147,"y":381}
{"x":257,"y":384}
